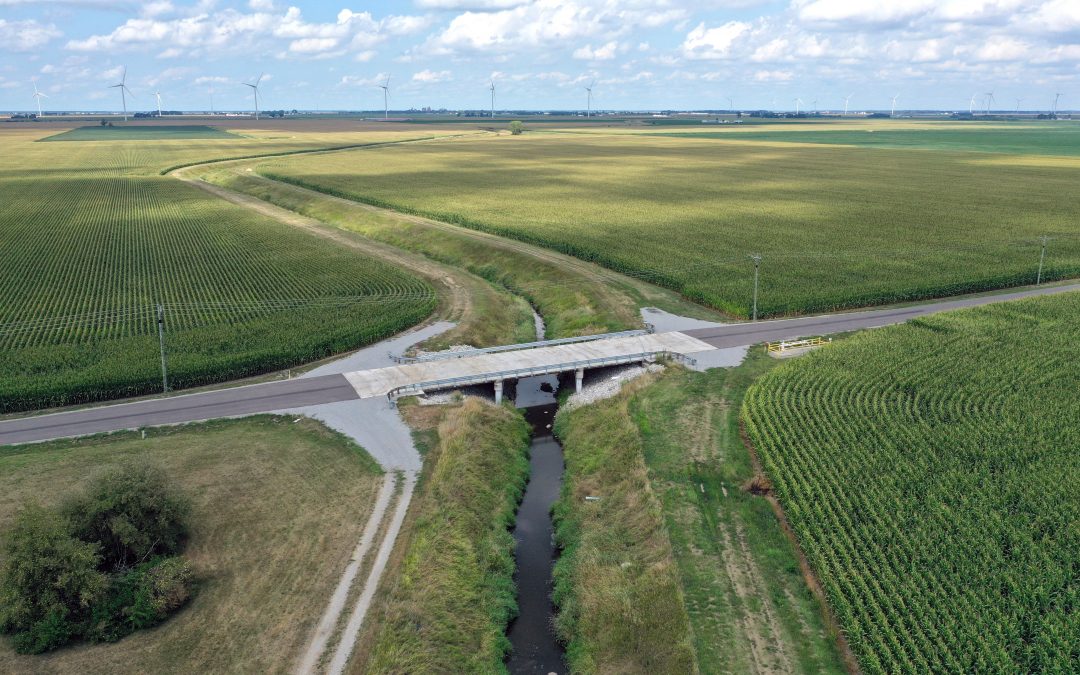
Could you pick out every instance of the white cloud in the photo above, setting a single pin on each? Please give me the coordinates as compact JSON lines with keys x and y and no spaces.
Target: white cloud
{"x":236,"y":31}
{"x":430,"y":77}
{"x":478,"y":5}
{"x":603,"y":53}
{"x":773,"y":75}
{"x":713,"y":43}
{"x":26,"y":35}
{"x":855,"y":13}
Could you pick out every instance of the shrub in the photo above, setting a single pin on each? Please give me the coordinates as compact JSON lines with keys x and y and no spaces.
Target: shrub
{"x":140,"y":597}
{"x":516,"y":128}
{"x":134,"y":513}
{"x":49,"y":582}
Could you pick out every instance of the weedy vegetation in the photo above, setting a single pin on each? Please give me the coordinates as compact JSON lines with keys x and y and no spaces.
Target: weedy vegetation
{"x":447,"y":606}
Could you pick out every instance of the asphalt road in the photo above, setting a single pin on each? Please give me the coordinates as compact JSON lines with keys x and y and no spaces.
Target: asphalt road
{"x":298,"y":393}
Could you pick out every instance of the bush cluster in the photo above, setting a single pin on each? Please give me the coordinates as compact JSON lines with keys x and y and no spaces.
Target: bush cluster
{"x":101,"y":566}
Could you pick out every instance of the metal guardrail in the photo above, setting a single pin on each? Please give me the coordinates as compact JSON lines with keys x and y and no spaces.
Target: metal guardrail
{"x":439,"y":356}
{"x":781,"y":347}
{"x":418,"y":388}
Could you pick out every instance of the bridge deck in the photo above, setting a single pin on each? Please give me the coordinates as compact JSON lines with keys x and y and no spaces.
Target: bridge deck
{"x":486,"y":367}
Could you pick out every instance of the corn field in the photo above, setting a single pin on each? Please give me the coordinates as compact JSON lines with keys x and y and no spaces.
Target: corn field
{"x":837,"y":227}
{"x":931,"y":473}
{"x":91,"y":247}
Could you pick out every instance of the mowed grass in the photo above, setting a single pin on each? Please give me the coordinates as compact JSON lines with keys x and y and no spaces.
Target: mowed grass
{"x":278,"y":506}
{"x":837,"y":226}
{"x":94,"y":239}
{"x":931,"y":472}
{"x":122,"y":132}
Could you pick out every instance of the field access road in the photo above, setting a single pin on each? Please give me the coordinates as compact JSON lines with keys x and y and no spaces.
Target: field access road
{"x":291,"y":394}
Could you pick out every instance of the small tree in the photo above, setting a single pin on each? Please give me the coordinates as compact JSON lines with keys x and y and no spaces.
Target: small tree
{"x":516,"y":128}
{"x":134,"y":513}
{"x":49,"y":582}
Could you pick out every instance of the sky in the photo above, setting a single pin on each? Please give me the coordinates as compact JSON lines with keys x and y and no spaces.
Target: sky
{"x":541,"y":54}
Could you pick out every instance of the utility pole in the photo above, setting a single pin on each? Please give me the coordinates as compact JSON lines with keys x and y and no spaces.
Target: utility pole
{"x":1042,"y":257}
{"x":757,"y":264}
{"x":161,"y":342}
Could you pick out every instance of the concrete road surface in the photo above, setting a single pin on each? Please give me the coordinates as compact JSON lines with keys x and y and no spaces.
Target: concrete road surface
{"x":299,"y":393}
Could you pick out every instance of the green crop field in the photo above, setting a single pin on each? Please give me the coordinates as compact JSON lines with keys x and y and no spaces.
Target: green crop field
{"x":140,"y":133}
{"x":837,"y":226}
{"x":931,"y":472}
{"x":1057,"y":138}
{"x":93,"y":239}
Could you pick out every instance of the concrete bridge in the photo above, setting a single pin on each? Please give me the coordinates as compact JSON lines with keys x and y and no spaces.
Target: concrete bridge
{"x":500,"y":364}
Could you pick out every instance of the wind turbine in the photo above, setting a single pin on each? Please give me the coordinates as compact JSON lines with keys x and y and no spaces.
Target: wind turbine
{"x":892,"y":113}
{"x":493,"y":99}
{"x":385,"y":86}
{"x":588,"y":95}
{"x":1054,"y":111}
{"x":157,"y":95}
{"x":815,"y":106}
{"x":123,"y":90}
{"x":798,"y":101}
{"x":255,"y":92}
{"x":989,"y":100}
{"x":846,"y":99}
{"x":971,"y":105}
{"x":38,"y":96}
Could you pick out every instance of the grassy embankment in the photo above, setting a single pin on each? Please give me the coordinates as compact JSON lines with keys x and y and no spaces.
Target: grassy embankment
{"x":277,"y":508}
{"x":446,"y":600}
{"x":837,"y":226}
{"x":677,"y":566}
{"x":931,"y":472}
{"x":574,"y":298}
{"x":97,"y":239}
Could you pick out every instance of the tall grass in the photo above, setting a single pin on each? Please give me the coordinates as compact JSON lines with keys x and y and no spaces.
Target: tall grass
{"x":448,"y":608}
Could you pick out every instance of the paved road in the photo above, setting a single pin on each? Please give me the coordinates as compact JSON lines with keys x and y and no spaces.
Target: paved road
{"x":739,"y":334}
{"x":298,"y":393}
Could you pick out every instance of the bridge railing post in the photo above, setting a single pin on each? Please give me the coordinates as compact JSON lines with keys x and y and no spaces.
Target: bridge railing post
{"x":498,"y":391}
{"x":579,"y":375}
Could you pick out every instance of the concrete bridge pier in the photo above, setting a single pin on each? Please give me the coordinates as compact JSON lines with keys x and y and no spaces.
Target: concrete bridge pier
{"x":498,"y":391}
{"x":579,"y":375}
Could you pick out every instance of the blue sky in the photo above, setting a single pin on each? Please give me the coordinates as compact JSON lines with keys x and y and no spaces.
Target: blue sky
{"x":643,"y":54}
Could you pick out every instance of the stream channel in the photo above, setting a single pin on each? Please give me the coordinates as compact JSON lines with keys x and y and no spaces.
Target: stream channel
{"x":532,"y":633}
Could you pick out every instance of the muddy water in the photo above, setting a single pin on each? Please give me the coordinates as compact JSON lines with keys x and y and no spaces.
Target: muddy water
{"x":532,"y":634}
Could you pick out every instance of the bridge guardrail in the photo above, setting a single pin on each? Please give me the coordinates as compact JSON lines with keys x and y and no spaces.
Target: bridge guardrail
{"x":418,"y":388}
{"x":439,"y":356}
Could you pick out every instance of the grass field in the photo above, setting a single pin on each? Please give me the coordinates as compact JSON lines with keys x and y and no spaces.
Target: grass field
{"x":670,"y":456}
{"x":837,"y":226}
{"x":140,"y":133}
{"x":94,"y":238}
{"x":277,"y":508}
{"x":931,"y":473}
{"x":446,"y":608}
